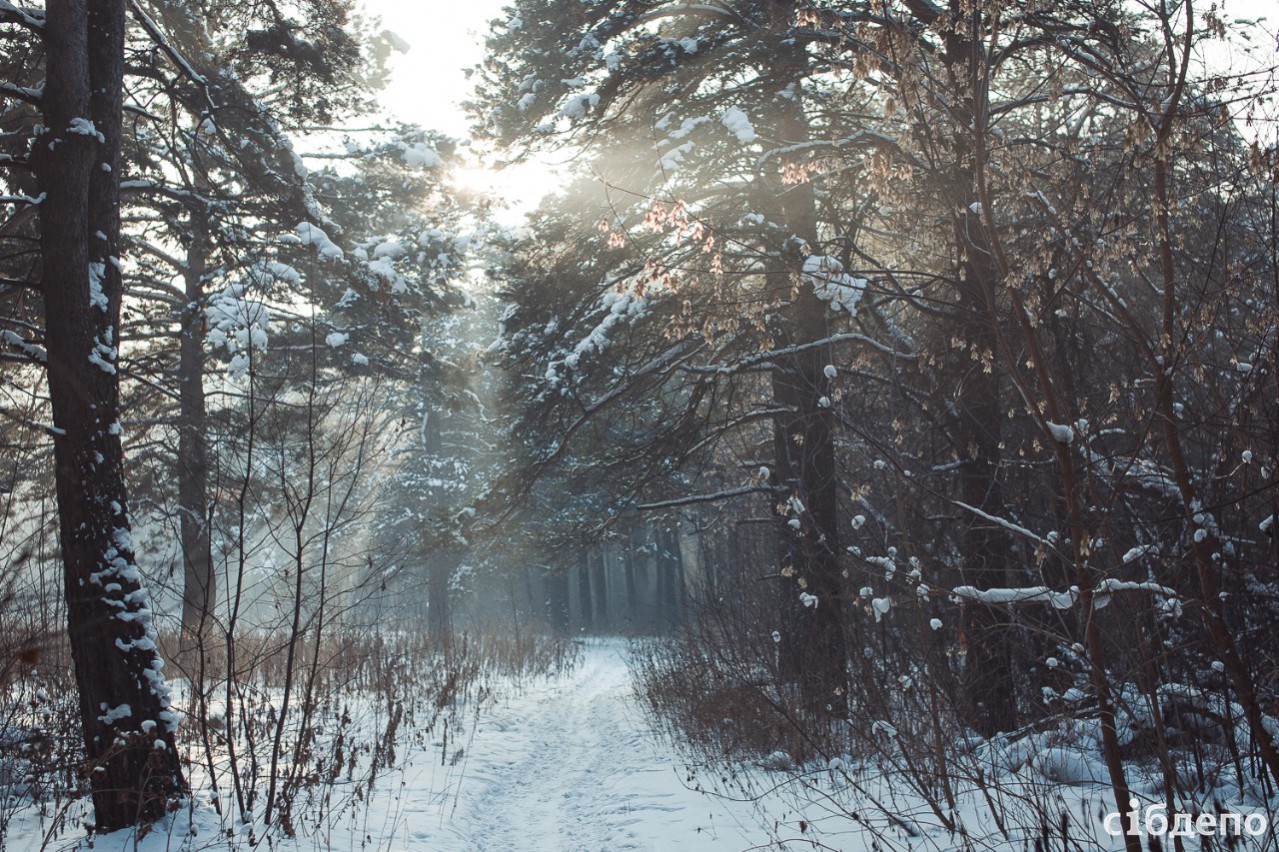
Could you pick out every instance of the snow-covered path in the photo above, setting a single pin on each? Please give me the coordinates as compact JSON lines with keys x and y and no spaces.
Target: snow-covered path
{"x":563,"y":764}
{"x":570,"y":765}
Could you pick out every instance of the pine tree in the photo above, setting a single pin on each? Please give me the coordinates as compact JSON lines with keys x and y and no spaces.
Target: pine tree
{"x":124,"y":702}
{"x":708,"y":270}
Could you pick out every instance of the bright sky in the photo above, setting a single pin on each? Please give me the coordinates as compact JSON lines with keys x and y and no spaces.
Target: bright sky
{"x":446,"y":38}
{"x":429,"y":82}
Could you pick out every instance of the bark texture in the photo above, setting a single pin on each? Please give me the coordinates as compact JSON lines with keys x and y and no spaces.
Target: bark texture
{"x":124,"y":707}
{"x":199,"y":583}
{"x":814,"y":648}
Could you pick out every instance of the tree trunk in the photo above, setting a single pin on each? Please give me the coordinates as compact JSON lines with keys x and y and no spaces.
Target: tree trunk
{"x":669,"y":575}
{"x":599,"y":579}
{"x":124,"y":702}
{"x":199,"y":583}
{"x":557,"y":600}
{"x":634,"y":543}
{"x":440,"y":562}
{"x":988,"y":678}
{"x":989,"y":693}
{"x":814,"y":649}
{"x":584,"y":588}
{"x":814,"y":646}
{"x":439,"y":570}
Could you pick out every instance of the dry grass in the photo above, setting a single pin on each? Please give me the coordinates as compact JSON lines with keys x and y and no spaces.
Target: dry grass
{"x":360,"y":703}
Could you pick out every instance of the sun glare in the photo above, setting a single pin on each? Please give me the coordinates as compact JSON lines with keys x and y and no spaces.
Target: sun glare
{"x":515,"y":189}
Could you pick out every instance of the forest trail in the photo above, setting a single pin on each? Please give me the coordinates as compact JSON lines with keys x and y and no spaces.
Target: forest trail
{"x":570,"y":764}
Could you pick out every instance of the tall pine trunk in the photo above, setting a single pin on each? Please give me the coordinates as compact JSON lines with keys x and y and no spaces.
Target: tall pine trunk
{"x":199,"y":584}
{"x":670,"y":586}
{"x":814,"y":648}
{"x":599,"y":570}
{"x":584,"y":598}
{"x":557,"y":599}
{"x":124,"y":706}
{"x":441,"y":561}
{"x":630,"y":556}
{"x":439,"y":613}
{"x":989,"y":695}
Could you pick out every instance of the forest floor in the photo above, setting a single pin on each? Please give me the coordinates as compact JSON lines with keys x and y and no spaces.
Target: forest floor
{"x":556,"y":764}
{"x":570,"y":763}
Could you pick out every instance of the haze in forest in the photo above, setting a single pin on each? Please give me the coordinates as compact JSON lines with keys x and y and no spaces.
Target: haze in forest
{"x":846,"y":424}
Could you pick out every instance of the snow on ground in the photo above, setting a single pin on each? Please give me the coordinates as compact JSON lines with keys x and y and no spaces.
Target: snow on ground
{"x":552,"y":765}
{"x":571,"y":765}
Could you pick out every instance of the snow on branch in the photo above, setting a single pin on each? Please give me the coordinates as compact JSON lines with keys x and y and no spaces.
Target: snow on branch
{"x":1106,"y":587}
{"x":706,"y":9}
{"x":824,"y":144}
{"x":709,"y":498}
{"x":774,"y":354}
{"x":30,"y":94}
{"x":30,"y":350}
{"x":48,"y":429}
{"x":150,"y":186}
{"x":1029,"y":594}
{"x":312,"y":235}
{"x":670,"y":359}
{"x":32,"y":19}
{"x":1058,"y":600}
{"x":832,"y":284}
{"x":21,"y":199}
{"x":615,"y":309}
{"x":169,"y":50}
{"x":1006,"y":524}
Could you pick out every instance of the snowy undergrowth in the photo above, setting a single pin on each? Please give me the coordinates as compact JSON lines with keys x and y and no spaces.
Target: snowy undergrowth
{"x":890,"y":777}
{"x":380,"y":730}
{"x":551,"y":749}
